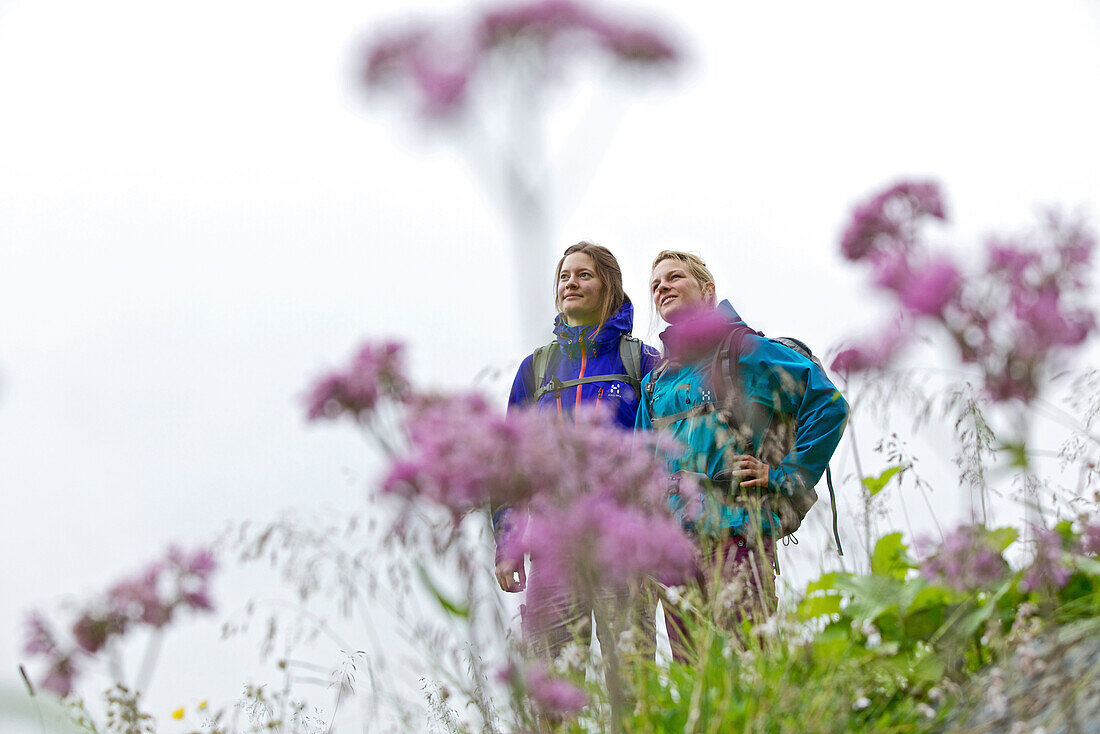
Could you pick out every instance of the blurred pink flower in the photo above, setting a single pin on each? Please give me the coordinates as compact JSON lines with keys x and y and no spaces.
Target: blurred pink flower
{"x":874,"y":354}
{"x":150,"y":597}
{"x":39,"y":637}
{"x":376,"y":372}
{"x":553,"y":695}
{"x":967,"y":559}
{"x":1049,"y":568}
{"x":888,"y":220}
{"x":61,"y":677}
{"x":928,"y":290}
{"x":696,"y":334}
{"x":463,"y":454}
{"x":1008,"y":318}
{"x":1090,"y":539}
{"x":440,"y":63}
{"x":548,"y":694}
{"x":91,"y":631}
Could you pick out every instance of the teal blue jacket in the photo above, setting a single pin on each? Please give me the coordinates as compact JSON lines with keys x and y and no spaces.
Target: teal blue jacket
{"x":775,"y":378}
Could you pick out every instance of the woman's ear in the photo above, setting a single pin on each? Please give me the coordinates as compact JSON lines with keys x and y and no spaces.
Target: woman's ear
{"x":709,"y":294}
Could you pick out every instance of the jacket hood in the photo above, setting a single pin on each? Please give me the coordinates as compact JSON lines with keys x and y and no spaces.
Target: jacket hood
{"x":571,"y":338}
{"x":700,"y":333}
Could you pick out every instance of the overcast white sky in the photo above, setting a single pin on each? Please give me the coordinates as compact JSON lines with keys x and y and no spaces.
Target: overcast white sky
{"x":199,"y":211}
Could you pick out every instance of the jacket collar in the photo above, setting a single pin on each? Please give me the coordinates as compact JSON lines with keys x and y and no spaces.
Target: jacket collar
{"x":574,"y":338}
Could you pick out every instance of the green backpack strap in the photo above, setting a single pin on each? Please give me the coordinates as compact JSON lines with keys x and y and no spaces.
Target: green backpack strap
{"x":541,"y":363}
{"x":630,"y":352}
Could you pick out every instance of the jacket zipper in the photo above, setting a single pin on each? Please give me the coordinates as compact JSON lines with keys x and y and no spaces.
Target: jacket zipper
{"x":599,"y":395}
{"x":584,"y":363}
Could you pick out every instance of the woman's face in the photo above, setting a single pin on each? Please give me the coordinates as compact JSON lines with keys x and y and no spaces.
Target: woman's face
{"x":676,"y":293}
{"x":580,"y":291}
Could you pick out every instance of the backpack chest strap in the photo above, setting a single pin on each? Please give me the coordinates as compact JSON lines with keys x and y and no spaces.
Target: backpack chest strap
{"x":556,"y":385}
{"x":695,"y":411}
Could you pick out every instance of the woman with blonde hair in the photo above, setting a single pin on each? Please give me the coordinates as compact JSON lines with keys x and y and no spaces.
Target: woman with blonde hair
{"x":592,"y":360}
{"x":731,"y":477}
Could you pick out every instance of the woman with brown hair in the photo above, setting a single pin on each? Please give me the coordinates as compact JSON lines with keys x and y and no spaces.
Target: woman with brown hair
{"x":594,"y":360}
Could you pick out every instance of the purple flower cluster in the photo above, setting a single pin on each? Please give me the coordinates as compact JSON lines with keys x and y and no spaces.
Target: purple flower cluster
{"x":376,"y":372}
{"x":596,"y":543}
{"x":1090,"y":539}
{"x":594,"y":495}
{"x":968,"y":559}
{"x":440,"y":67}
{"x":151,"y":598}
{"x":549,"y":695}
{"x":1050,"y":568}
{"x":1007,"y":318}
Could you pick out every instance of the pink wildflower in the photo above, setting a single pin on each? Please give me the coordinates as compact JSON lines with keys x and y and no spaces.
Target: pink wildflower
{"x":40,"y":638}
{"x":875,"y":354}
{"x":91,"y":631}
{"x":696,"y":334}
{"x":888,"y":219}
{"x":377,"y":372}
{"x":930,"y":289}
{"x":966,"y":560}
{"x":1049,"y":568}
{"x":1090,"y":539}
{"x":60,"y":677}
{"x":550,"y":695}
{"x":553,"y":695}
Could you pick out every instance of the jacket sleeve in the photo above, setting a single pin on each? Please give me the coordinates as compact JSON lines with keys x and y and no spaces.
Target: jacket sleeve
{"x":523,"y":390}
{"x":506,"y":523}
{"x":781,"y":379}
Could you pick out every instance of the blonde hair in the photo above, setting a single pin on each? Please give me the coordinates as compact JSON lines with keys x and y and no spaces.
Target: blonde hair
{"x":694,"y":264}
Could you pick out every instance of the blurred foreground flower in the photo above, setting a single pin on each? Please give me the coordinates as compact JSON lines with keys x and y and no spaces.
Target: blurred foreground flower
{"x":439,"y":64}
{"x":550,"y":695}
{"x":376,"y":372}
{"x":968,"y":559}
{"x":151,"y":598}
{"x":1009,"y":318}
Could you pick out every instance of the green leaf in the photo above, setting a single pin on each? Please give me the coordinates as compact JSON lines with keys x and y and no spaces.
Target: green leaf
{"x":827,"y":582}
{"x":458,"y":609}
{"x":875,"y":485}
{"x":1091,"y":566}
{"x":1003,"y":537}
{"x":1017,"y":454}
{"x":891,"y":557}
{"x":816,"y":606}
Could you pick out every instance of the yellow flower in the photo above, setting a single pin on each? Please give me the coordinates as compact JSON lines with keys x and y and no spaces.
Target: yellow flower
{"x":178,"y":713}
{"x":202,"y":704}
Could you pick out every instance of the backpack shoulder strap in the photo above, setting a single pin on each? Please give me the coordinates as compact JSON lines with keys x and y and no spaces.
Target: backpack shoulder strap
{"x":630,"y":353}
{"x":541,"y":364}
{"x":726,"y":364}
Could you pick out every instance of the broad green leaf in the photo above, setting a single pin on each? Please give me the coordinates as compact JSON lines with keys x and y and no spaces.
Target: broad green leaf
{"x":815,"y":606}
{"x":1003,"y":537}
{"x":827,"y":582}
{"x":891,"y":557}
{"x":875,"y":485}
{"x":456,"y":608}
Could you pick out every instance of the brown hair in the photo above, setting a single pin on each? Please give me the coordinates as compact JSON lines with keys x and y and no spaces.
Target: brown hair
{"x":607,"y":270}
{"x":694,"y":264}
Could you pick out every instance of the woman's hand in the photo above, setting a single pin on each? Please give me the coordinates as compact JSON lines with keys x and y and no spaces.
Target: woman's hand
{"x":750,"y":470}
{"x":510,"y":574}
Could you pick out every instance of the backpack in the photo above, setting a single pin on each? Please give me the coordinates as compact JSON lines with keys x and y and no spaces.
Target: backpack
{"x":630,"y":353}
{"x":791,"y":507}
